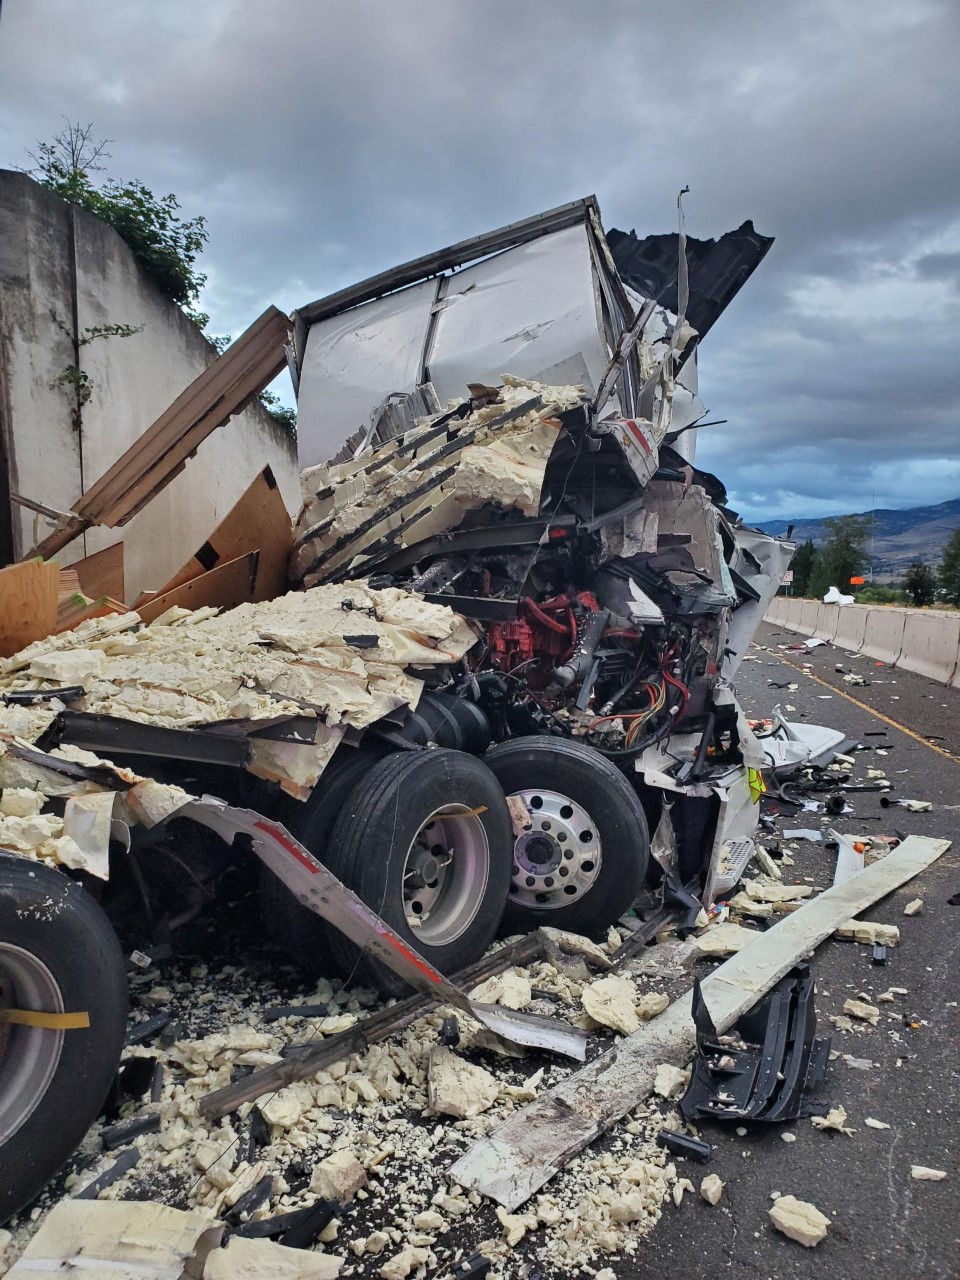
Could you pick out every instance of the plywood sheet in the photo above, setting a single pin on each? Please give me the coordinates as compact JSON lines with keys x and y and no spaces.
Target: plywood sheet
{"x":230,"y":584}
{"x":258,"y":521}
{"x":102,"y":573}
{"x":29,"y":593}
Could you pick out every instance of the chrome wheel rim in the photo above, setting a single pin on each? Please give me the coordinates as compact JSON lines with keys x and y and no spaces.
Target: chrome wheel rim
{"x":29,"y":1056}
{"x":445,"y":875}
{"x":557,"y":858}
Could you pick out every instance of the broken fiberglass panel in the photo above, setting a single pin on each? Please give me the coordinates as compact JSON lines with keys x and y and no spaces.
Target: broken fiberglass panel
{"x":353,"y":361}
{"x":522,"y":312}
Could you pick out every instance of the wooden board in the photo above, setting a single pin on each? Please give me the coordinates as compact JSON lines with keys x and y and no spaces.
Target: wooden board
{"x":257,"y":521}
{"x":229,"y":584}
{"x":525,"y":1152}
{"x":223,"y":389}
{"x":102,"y":573}
{"x":28,"y":604}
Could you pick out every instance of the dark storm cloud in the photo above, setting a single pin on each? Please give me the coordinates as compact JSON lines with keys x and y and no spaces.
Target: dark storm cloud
{"x":325,"y":141}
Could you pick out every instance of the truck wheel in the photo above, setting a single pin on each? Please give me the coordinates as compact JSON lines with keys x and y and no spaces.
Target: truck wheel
{"x":424,"y":839}
{"x":299,"y":932}
{"x":582,"y":862}
{"x":59,"y":954}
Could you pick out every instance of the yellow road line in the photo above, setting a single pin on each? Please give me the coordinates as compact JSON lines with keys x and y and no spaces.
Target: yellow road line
{"x":878,"y":715}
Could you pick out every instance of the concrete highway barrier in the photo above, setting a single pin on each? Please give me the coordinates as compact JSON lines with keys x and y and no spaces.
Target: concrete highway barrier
{"x":931,"y":645}
{"x":925,"y":641}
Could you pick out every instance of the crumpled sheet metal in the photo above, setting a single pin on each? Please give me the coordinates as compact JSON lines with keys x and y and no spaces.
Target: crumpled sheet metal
{"x":503,"y":464}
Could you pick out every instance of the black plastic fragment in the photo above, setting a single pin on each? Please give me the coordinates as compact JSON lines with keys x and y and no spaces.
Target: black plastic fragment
{"x":156,"y":1084}
{"x":836,"y":802}
{"x":450,"y":1032}
{"x":476,"y":1265}
{"x":115,"y":1135}
{"x":303,"y":1232}
{"x":879,"y":954}
{"x":141,"y":1032}
{"x":781,"y":1059}
{"x":30,"y":697}
{"x":295,"y":1011}
{"x":124,"y":1162}
{"x":675,"y":895}
{"x":362,"y":642}
{"x":133,"y":1079}
{"x":171,"y":1033}
{"x":251,"y":1201}
{"x":683,"y":1144}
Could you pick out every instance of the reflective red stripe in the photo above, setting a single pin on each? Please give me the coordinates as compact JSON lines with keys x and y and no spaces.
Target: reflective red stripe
{"x":289,"y":845}
{"x":640,"y":437}
{"x":411,"y":958}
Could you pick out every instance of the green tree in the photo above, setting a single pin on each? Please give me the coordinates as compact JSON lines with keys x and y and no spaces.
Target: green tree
{"x":950,"y":568}
{"x":163,"y":242}
{"x":801,"y":565}
{"x":920,"y":583}
{"x":842,"y":556}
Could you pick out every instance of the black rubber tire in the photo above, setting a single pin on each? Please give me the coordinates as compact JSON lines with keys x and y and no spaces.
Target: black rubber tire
{"x":299,"y":932}
{"x":50,"y":916}
{"x":373,"y":836}
{"x":577,"y":771}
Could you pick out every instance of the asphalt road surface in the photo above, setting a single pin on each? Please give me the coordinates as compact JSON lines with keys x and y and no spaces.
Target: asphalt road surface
{"x":885,"y":1225}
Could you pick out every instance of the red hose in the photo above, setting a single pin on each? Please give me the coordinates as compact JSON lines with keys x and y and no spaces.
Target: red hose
{"x":544,"y":619}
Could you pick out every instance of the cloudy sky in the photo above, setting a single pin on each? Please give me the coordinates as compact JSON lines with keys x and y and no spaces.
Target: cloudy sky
{"x":328,"y":139}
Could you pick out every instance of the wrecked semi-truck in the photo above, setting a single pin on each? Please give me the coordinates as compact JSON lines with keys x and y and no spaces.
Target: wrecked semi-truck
{"x":510,"y":662}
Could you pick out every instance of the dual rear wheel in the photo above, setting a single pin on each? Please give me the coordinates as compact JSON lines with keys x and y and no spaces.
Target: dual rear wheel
{"x":448,"y":849}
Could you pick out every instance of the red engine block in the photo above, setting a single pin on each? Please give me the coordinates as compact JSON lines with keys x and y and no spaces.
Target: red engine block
{"x":547,"y":632}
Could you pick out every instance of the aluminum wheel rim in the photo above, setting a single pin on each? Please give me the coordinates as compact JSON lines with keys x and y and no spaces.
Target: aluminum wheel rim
{"x":556,"y":861}
{"x":445,"y":875}
{"x":29,"y":1056}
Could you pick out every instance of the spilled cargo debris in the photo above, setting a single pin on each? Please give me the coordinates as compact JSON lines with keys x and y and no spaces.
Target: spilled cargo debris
{"x":498,"y":697}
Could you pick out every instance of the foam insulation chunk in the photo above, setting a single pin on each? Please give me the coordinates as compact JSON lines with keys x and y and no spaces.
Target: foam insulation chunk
{"x":406,"y":1261}
{"x":922,"y":1174}
{"x":711,"y":1188}
{"x":339,"y":1177}
{"x":869,"y":932}
{"x":263,"y":1260}
{"x":457,"y":1087}
{"x":611,"y":1001}
{"x":836,"y":1118}
{"x":799,"y":1220}
{"x":127,"y":1239}
{"x":21,"y":802}
{"x":670,"y":1081}
{"x":863,"y":1010}
{"x":723,"y":939}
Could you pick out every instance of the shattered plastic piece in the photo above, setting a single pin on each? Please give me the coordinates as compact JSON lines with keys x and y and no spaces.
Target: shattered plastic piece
{"x":862,"y":1010}
{"x":711,"y":1188}
{"x":799,"y":1220}
{"x":457,"y":1087}
{"x":914,"y":907}
{"x":923,"y":1174}
{"x":682,"y":1144}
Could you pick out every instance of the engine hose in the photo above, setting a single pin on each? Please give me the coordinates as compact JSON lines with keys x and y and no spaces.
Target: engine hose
{"x":544,"y":619}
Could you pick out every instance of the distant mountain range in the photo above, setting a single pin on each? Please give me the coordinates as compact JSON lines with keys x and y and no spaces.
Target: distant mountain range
{"x":899,"y":537}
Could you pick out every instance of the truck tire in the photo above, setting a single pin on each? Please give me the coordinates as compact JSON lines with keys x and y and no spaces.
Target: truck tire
{"x":582,"y":863}
{"x":299,"y":932}
{"x":424,"y":839}
{"x":58,"y":953}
